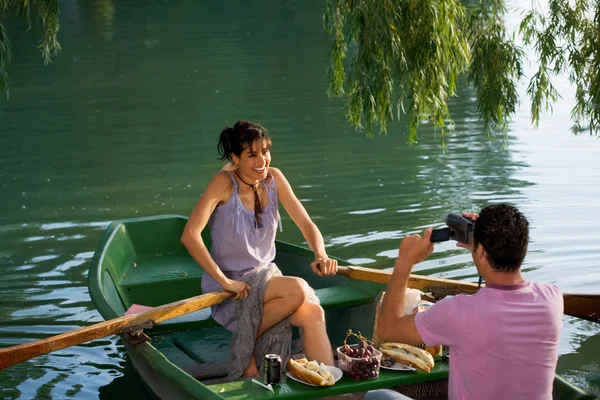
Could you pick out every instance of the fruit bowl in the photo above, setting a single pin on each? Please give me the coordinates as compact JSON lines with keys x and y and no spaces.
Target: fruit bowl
{"x":359,"y":361}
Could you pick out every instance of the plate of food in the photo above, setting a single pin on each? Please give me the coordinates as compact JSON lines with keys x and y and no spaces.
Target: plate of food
{"x":312,"y":373}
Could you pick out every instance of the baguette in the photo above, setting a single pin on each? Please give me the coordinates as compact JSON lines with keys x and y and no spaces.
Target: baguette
{"x":310,"y":372}
{"x":408,"y":355}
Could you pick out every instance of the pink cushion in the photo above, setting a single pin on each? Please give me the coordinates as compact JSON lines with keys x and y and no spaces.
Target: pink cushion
{"x":137,"y":308}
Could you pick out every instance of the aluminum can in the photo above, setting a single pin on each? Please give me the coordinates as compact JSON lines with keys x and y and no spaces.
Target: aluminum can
{"x":272,"y":369}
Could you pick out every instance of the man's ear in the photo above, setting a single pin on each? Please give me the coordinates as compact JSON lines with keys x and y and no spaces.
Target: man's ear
{"x":480,"y":252}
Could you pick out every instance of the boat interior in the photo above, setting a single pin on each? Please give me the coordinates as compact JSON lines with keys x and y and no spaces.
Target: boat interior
{"x":145,"y":268}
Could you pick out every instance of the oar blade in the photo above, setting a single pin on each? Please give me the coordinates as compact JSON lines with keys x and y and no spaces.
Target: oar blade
{"x":584,"y":306}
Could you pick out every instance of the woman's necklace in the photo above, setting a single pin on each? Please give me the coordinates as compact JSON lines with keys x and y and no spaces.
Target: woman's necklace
{"x":257,"y":206}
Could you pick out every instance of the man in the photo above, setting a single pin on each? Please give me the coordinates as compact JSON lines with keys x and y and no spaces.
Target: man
{"x":504,"y":339}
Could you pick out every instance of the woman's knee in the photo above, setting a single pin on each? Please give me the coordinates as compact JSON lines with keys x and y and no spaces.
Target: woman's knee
{"x":309,"y":314}
{"x":293,"y":290}
{"x":316,"y":312}
{"x":297,"y":290}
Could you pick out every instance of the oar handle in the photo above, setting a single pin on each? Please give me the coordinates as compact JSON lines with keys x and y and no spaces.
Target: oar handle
{"x":440,"y":287}
{"x":343,"y":271}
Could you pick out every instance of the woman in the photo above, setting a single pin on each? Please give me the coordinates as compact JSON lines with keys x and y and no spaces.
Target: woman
{"x":240,"y":205}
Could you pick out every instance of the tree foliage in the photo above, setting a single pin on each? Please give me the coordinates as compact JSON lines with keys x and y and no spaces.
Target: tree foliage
{"x":48,"y":12}
{"x":395,"y":57}
{"x":391,"y":58}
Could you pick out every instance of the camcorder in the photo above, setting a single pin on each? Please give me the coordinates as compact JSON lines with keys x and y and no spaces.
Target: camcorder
{"x":459,"y":229}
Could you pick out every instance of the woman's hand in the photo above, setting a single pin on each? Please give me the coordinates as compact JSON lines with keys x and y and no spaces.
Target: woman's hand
{"x":241,"y":289}
{"x":324,"y":266}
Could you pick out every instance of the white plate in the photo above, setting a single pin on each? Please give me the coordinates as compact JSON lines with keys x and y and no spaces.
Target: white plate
{"x":335,"y":372}
{"x":400,"y":367}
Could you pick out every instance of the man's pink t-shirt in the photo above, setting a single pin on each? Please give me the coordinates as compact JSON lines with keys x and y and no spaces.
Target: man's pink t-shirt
{"x":503,"y":340}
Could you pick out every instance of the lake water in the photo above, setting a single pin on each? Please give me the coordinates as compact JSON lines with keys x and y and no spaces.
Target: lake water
{"x":124,"y":123}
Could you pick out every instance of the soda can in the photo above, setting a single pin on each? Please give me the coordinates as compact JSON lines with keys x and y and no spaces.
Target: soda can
{"x":272,"y":369}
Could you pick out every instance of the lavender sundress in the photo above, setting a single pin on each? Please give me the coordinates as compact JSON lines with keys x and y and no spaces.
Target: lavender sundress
{"x":238,"y":247}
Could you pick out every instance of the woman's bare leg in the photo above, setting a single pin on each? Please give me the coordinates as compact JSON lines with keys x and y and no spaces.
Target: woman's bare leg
{"x":283,"y":296}
{"x":311,"y":317}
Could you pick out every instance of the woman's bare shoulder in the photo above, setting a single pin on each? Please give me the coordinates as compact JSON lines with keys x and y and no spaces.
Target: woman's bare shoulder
{"x":220,"y":185}
{"x":276,"y":172}
{"x":222,"y":177}
{"x":228,"y":167}
{"x":281,"y":182}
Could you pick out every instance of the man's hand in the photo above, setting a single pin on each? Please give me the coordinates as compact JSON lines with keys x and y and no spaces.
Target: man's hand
{"x":473,"y":217}
{"x":414,"y":249}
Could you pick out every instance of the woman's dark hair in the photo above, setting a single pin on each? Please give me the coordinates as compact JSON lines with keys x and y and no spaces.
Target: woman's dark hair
{"x":503,"y":231}
{"x":232,"y":140}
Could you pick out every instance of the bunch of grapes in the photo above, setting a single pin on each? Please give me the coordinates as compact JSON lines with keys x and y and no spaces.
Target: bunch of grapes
{"x":361,"y":351}
{"x":359,"y":361}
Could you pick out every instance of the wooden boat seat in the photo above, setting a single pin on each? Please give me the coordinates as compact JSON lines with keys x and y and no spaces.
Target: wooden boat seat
{"x":156,"y":280}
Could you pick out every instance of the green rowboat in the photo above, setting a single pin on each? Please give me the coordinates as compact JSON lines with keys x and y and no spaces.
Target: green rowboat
{"x":142,"y":261}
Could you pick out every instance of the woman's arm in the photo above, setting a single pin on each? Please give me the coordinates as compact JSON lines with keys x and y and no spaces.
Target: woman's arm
{"x":311,"y":233}
{"x":218,"y":191}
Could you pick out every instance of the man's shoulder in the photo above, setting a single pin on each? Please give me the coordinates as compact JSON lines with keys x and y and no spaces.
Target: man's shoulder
{"x":459,"y":302}
{"x":547,"y":289}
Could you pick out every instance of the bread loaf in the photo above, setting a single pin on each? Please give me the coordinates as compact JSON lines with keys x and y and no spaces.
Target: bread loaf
{"x":408,"y":355}
{"x":310,"y":372}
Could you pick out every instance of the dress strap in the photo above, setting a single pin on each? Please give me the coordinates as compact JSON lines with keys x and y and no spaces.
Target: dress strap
{"x":271,"y":181}
{"x":272,"y":190}
{"x":235,"y":184}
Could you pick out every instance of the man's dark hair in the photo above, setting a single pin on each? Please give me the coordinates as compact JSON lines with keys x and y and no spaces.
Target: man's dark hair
{"x":503,"y":231}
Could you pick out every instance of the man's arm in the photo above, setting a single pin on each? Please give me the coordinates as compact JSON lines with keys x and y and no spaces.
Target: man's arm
{"x":392,"y":324}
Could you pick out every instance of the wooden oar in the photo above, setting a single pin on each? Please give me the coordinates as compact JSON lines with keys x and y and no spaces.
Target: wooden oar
{"x":584,"y":306}
{"x":16,"y":354}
